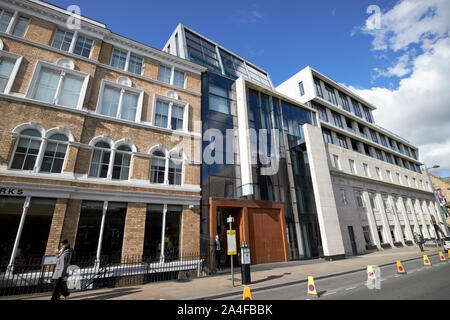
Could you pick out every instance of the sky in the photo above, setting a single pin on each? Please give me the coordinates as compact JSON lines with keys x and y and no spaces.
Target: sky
{"x":394,"y":53}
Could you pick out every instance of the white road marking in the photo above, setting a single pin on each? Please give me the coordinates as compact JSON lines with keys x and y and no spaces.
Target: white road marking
{"x":350,"y":288}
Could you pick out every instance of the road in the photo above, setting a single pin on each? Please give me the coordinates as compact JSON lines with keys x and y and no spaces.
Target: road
{"x":420,"y":282}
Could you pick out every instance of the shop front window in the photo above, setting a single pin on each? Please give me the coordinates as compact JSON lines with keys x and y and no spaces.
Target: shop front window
{"x":172,"y":232}
{"x":35,"y":231}
{"x":162,"y":225}
{"x":153,"y":227}
{"x":89,"y":227}
{"x":11,"y":209}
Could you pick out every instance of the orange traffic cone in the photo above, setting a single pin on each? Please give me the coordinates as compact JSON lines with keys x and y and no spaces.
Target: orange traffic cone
{"x":400,"y":268}
{"x":312,"y":290}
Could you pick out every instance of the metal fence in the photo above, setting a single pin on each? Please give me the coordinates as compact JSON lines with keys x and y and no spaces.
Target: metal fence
{"x":31,"y":275}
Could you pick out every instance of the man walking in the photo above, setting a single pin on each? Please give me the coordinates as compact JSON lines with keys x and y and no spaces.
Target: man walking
{"x":217,"y":251}
{"x":64,"y":256}
{"x":419,"y":241}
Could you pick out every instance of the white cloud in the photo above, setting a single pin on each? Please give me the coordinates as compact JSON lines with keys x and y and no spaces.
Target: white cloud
{"x":410,"y":21}
{"x":251,"y":15}
{"x":419,"y":109}
{"x":402,"y":68}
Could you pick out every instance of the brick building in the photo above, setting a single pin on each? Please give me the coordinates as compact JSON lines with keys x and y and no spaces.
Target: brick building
{"x":101,"y":140}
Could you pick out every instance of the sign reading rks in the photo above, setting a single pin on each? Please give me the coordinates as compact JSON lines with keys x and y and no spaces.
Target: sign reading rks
{"x":11,"y":191}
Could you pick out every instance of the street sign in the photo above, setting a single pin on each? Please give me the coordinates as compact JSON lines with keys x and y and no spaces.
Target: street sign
{"x":231,"y":241}
{"x":230,"y":219}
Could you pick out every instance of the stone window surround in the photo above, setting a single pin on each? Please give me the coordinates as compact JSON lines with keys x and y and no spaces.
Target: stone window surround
{"x":168,"y":156}
{"x":172,"y":75}
{"x":45,"y":134}
{"x":122,"y":87}
{"x":127,"y":61}
{"x":14,"y":71}
{"x":171,"y":101}
{"x":14,"y":19}
{"x":113,"y":149}
{"x":73,"y":42}
{"x":63,"y":70}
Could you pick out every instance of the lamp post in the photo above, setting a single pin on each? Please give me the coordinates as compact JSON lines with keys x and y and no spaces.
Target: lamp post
{"x":436,"y":199}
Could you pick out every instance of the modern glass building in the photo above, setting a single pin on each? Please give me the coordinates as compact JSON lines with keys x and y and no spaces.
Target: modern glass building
{"x":260,"y":173}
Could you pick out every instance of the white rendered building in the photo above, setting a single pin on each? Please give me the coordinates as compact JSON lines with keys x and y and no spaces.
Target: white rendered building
{"x":381,"y":196}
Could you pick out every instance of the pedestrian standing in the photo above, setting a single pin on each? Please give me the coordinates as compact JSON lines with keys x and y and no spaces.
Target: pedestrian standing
{"x":217,"y":250}
{"x":59,"y":277}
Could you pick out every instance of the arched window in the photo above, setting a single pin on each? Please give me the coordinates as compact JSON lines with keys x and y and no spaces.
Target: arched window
{"x":55,"y":152}
{"x":122,"y":161}
{"x":176,"y":168}
{"x":100,"y":160}
{"x":158,"y":167}
{"x":175,"y":172}
{"x":27,"y":150}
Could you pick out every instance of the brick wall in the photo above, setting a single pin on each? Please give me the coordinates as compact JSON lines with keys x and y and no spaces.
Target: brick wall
{"x":133,"y":240}
{"x":85,"y":127}
{"x":190,"y":230}
{"x":56,"y":227}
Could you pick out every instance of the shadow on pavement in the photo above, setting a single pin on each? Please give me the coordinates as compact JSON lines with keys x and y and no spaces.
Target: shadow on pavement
{"x":107,"y":295}
{"x":267,"y":279}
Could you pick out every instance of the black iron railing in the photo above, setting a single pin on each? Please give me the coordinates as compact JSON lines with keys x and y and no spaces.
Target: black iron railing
{"x":29,"y":275}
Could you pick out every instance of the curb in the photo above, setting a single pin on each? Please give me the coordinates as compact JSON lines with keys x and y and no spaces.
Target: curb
{"x":278,"y":285}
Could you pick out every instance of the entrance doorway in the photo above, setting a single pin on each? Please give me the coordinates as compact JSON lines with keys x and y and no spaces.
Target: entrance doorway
{"x":352,"y":240}
{"x":260,"y":223}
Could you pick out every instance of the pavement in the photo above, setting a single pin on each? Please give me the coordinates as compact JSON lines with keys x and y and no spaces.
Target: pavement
{"x":263,"y":277}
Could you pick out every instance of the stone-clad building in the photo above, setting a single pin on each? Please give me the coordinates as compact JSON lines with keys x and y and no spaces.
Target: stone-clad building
{"x":100,"y":139}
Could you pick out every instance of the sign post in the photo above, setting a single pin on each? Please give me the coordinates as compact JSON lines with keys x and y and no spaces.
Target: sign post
{"x":231,"y":244}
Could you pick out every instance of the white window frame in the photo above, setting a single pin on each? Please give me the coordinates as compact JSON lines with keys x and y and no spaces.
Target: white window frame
{"x":407,"y":180}
{"x":358,"y":195}
{"x":127,"y":61}
{"x":366,"y":170}
{"x":73,"y":42}
{"x":42,"y":146}
{"x":167,"y":158}
{"x":111,"y":158}
{"x":389,"y":174}
{"x":14,"y":71}
{"x":45,"y":141}
{"x":62,"y":71}
{"x":17,"y":133}
{"x":122,"y":88}
{"x":13,"y":21}
{"x":378,"y":172}
{"x":352,"y":166}
{"x":399,"y":178}
{"x":172,"y":75}
{"x":335,"y":162}
{"x":115,"y":151}
{"x":171,"y":102}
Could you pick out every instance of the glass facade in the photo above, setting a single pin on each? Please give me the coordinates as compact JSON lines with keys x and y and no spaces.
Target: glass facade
{"x":217,"y":59}
{"x":224,"y":181}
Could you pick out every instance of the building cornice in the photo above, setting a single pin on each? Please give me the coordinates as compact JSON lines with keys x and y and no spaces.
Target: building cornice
{"x":60,"y":17}
{"x":343,"y":174}
{"x":81,"y":193}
